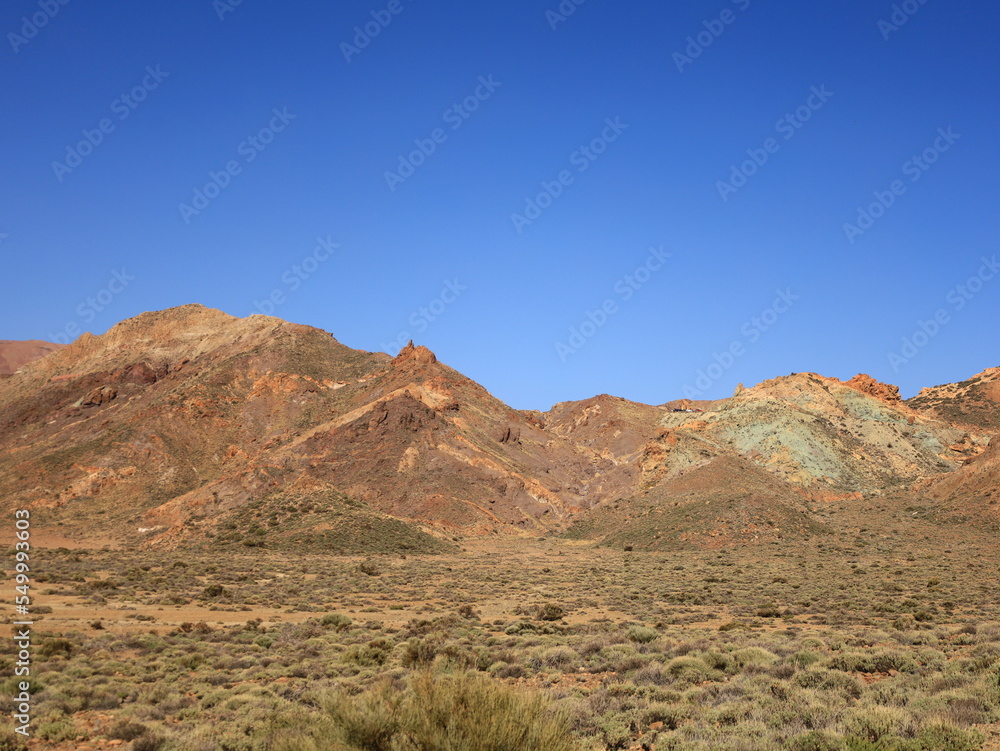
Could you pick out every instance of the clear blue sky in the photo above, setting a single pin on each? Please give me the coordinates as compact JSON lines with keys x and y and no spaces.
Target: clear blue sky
{"x":505,"y":292}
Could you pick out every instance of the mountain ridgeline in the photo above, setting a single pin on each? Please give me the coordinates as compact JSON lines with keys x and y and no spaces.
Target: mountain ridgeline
{"x":192,"y":427}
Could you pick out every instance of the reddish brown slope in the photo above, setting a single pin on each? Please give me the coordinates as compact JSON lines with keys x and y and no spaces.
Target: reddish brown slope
{"x":721,"y":501}
{"x":181,"y":417}
{"x":974,"y":403}
{"x":969,"y":496}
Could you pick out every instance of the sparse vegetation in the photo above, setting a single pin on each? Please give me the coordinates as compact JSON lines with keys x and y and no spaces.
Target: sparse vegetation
{"x":725,"y":649}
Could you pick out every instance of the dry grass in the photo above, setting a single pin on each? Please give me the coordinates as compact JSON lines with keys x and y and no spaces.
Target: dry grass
{"x":882,"y":644}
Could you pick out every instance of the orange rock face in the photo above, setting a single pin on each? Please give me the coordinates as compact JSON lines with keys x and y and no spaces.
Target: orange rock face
{"x":868,"y":385}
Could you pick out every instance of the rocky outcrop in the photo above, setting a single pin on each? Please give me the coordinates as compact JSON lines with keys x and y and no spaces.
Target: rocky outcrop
{"x":99,"y":396}
{"x":884,"y":391}
{"x":420,"y":355}
{"x":510,"y":434}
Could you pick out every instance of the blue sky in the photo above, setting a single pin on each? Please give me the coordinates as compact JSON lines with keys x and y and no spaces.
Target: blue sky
{"x":631,"y":199}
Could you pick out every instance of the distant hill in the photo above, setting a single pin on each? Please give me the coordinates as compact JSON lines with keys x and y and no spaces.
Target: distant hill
{"x":15,"y":354}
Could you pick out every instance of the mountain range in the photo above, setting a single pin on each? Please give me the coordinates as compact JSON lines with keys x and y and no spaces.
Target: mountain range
{"x":192,"y":427}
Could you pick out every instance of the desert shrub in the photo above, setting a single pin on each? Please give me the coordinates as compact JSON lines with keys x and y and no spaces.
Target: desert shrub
{"x":813,"y":741}
{"x":642,"y":635}
{"x":336,"y":621}
{"x":621,"y":658}
{"x":463,"y":657}
{"x":734,"y":626}
{"x":213,"y":591}
{"x":549,"y":611}
{"x":904,"y":622}
{"x":943,"y":737}
{"x":507,"y":670}
{"x":370,"y":568}
{"x":875,"y":722}
{"x":717,"y":660}
{"x":691,"y":669}
{"x":53,"y":647}
{"x":984,"y":656}
{"x":804,"y":659}
{"x":614,"y":734}
{"x":671,"y":715}
{"x":465,"y":711}
{"x":125,"y":730}
{"x":519,"y":627}
{"x":830,"y":680}
{"x":372,"y":654}
{"x":148,"y":743}
{"x":56,"y":728}
{"x":651,"y":674}
{"x":753,"y":656}
{"x":420,"y":652}
{"x":474,"y":713}
{"x":559,"y":657}
{"x":873,"y":662}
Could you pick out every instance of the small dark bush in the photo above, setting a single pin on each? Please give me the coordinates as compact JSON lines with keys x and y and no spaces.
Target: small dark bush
{"x":124,"y":730}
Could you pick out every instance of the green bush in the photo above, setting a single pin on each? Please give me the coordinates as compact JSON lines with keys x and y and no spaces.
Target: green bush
{"x":11,"y":742}
{"x":336,"y":621}
{"x":463,"y":712}
{"x":125,"y":730}
{"x":642,"y":635}
{"x":420,"y":652}
{"x":943,"y":737}
{"x":148,"y":743}
{"x":691,"y":669}
{"x":753,"y":656}
{"x":813,"y":741}
{"x":875,"y":722}
{"x":57,"y":729}
{"x":549,"y":612}
{"x":873,"y":662}
{"x":53,"y":647}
